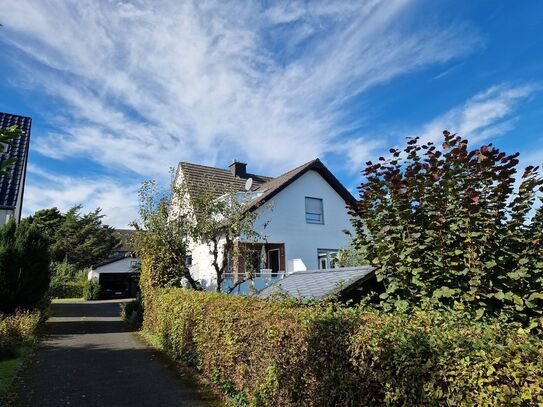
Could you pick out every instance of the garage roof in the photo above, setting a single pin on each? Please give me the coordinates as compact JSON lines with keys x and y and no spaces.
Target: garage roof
{"x":318,"y":284}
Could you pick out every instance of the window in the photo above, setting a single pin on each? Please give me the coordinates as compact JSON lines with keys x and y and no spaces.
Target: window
{"x":313,"y":210}
{"x":327,"y":258}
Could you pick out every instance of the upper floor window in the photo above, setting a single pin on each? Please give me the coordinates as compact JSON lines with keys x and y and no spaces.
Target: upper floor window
{"x":313,"y":210}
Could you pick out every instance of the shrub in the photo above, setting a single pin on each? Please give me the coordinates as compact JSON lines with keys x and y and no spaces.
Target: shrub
{"x":16,"y":330}
{"x":449,"y":224}
{"x":91,"y":290}
{"x":132,"y":312}
{"x":66,"y":289}
{"x":24,"y":266}
{"x":279,"y":354}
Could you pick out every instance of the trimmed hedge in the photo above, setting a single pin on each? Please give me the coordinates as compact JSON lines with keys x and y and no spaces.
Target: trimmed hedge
{"x":281,"y":354}
{"x":132,"y":312}
{"x":92,"y":290}
{"x":16,"y":330}
{"x":68,"y":289}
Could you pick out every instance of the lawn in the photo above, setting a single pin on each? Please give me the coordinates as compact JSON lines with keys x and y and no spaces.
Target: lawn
{"x":8,"y":368}
{"x":61,"y":300}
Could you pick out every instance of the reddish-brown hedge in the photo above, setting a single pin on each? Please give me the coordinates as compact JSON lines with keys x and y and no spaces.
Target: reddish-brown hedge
{"x":281,"y":354}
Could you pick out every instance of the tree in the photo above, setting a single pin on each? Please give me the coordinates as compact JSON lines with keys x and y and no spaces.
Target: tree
{"x":6,"y":137}
{"x":225,"y":225}
{"x":161,"y":241}
{"x":48,"y":220}
{"x":170,"y":221}
{"x":351,"y":255}
{"x":24,"y":266}
{"x":82,"y":239}
{"x":448,"y":225}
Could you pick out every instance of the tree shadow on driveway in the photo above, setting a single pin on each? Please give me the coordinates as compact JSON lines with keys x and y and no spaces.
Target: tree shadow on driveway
{"x":89,"y":357}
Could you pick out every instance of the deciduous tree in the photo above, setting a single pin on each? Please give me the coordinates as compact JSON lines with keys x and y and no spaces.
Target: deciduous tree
{"x":447,"y":224}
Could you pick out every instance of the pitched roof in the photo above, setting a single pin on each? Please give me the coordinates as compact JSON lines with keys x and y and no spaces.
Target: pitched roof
{"x":274,"y":186}
{"x":218,"y":181}
{"x":126,"y":236}
{"x":113,"y":260}
{"x":318,"y":285}
{"x":11,"y":188}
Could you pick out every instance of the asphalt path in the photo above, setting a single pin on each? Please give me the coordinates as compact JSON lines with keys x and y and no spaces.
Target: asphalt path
{"x":89,"y":357}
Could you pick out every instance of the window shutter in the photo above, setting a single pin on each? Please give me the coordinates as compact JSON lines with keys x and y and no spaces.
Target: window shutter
{"x":313,"y":205}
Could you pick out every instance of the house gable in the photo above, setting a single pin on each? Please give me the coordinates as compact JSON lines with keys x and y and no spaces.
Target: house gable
{"x":276,"y":185}
{"x":282,"y":219}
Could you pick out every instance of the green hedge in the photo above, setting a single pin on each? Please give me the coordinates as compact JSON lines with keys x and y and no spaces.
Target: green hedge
{"x":92,"y":290}
{"x":68,"y":289}
{"x":16,"y":330}
{"x":281,"y":354}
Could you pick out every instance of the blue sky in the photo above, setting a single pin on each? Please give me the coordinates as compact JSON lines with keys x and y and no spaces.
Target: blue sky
{"x":121,"y":91}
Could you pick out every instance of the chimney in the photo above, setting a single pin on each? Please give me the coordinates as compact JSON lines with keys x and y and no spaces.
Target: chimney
{"x":238,"y":169}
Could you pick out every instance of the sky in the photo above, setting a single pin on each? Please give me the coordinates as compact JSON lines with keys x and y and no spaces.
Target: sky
{"x":121,"y":91}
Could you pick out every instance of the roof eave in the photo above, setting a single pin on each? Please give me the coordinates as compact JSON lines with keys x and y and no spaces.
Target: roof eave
{"x":318,"y":166}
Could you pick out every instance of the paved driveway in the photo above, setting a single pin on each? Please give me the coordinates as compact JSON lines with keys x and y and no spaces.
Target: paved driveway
{"x":90,"y":358}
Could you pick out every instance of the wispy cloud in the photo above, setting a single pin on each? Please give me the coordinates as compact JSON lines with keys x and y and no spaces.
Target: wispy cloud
{"x":45,"y":190}
{"x":488,"y":114}
{"x":148,"y":83}
{"x":139,"y":86}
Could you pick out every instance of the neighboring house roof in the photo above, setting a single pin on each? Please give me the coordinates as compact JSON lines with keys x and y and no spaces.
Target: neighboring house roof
{"x":12,"y":188}
{"x":218,"y":181}
{"x":126,"y":236}
{"x":318,"y":285}
{"x":112,"y":260}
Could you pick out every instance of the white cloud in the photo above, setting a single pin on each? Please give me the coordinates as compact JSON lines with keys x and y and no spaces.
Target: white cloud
{"x":45,"y":190}
{"x":485,"y":115}
{"x":358,"y":151}
{"x":146,"y":84}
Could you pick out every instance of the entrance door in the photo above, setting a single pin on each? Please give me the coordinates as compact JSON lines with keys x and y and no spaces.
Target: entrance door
{"x":273,"y":261}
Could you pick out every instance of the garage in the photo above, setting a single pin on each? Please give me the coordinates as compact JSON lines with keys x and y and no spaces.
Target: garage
{"x":118,"y":277}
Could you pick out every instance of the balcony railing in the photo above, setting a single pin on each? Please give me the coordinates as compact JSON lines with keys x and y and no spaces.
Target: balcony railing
{"x":260,"y":280}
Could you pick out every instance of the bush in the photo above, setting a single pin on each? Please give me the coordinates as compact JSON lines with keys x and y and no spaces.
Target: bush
{"x":453,"y":225}
{"x":132,"y":312}
{"x":66,"y":289}
{"x":24,"y":266}
{"x":16,"y":330}
{"x":280,"y":354}
{"x":91,"y":290}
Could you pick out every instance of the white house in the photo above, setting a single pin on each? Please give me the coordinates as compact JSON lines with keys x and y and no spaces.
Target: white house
{"x":305,"y":212}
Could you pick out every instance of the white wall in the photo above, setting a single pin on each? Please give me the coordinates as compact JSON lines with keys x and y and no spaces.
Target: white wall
{"x":288,"y":225}
{"x":286,"y":216}
{"x":119,"y":266}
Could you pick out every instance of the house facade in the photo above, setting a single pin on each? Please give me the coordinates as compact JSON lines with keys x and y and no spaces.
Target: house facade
{"x":302,"y":218}
{"x":12,"y":187}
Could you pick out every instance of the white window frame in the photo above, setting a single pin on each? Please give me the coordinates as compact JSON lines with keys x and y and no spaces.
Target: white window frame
{"x":330,"y":255}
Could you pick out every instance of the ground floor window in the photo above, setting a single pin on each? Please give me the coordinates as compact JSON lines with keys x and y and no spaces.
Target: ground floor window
{"x":327,"y":258}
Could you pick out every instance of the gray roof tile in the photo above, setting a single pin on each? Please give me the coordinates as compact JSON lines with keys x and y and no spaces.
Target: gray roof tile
{"x":318,"y":284}
{"x":11,"y":187}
